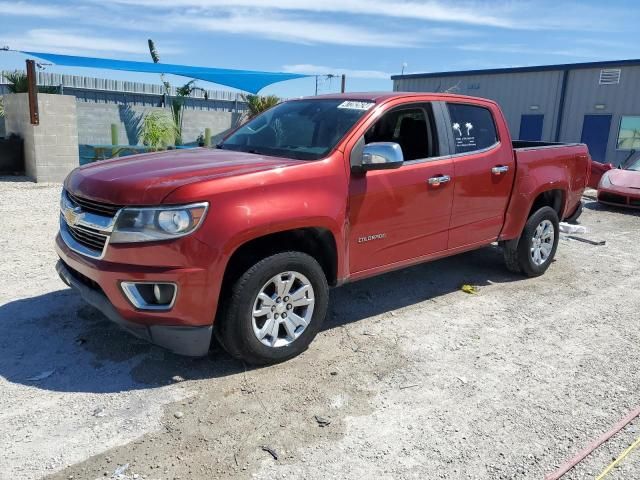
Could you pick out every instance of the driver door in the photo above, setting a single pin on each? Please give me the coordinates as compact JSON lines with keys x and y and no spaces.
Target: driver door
{"x":397,"y":216}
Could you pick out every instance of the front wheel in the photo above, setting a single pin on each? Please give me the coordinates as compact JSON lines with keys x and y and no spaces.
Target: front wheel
{"x":275,"y":310}
{"x":537,"y":245}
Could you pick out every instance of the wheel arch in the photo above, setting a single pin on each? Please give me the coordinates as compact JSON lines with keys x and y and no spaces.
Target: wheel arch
{"x":555,"y":198}
{"x":523,"y":205}
{"x":318,"y":242}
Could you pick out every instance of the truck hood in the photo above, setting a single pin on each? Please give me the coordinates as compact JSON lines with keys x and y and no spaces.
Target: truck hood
{"x":624,"y":178}
{"x":148,"y":178}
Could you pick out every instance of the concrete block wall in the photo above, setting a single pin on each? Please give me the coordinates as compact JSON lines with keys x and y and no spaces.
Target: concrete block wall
{"x":50,"y":148}
{"x":195,"y":121}
{"x":94,"y":122}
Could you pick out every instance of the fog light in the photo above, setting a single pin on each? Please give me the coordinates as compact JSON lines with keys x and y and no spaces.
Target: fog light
{"x":150,"y":295}
{"x":163,"y":293}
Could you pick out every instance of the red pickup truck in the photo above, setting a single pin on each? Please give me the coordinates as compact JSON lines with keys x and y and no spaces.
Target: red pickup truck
{"x":244,"y":241}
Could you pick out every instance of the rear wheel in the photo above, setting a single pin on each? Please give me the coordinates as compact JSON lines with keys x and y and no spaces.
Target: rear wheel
{"x":573,"y":218}
{"x":275,"y":310}
{"x":536,"y":248}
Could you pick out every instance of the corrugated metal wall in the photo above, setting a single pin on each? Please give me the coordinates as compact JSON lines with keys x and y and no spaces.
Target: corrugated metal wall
{"x":517,"y":94}
{"x":539,"y":93}
{"x":584,"y":92}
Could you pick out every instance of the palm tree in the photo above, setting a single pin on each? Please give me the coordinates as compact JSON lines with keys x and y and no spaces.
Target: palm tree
{"x":257,"y":104}
{"x":18,"y":83}
{"x":183,"y":92}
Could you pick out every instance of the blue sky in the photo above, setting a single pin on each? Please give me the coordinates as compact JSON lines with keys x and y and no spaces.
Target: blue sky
{"x":368,"y":40}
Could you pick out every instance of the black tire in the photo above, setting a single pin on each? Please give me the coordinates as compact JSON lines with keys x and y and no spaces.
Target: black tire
{"x":573,"y":218}
{"x":510,"y":251}
{"x":518,"y":256}
{"x":235,"y":330}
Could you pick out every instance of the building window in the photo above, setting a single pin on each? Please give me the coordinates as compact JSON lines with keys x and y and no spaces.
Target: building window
{"x":629,"y":133}
{"x":472,"y":126}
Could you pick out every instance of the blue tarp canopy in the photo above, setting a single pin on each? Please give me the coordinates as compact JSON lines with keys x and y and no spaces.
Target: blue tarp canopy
{"x":247,"y":80}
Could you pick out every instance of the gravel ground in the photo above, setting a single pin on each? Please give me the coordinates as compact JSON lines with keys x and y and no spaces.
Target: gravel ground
{"x":411,"y":378}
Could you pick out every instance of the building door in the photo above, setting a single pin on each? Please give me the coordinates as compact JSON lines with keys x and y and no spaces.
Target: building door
{"x":531,"y":127}
{"x":595,"y":133}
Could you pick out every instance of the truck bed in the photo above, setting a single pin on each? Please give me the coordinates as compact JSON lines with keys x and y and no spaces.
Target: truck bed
{"x":529,"y":144}
{"x":544,"y":166}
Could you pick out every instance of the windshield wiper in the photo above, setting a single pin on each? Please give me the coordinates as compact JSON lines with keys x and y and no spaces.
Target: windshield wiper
{"x":221,"y":146}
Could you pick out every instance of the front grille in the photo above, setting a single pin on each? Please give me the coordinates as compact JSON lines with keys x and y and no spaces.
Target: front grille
{"x":93,"y":206}
{"x":88,"y":237}
{"x":612,"y":198}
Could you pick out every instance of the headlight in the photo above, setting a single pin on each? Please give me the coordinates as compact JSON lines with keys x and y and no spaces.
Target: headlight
{"x":604,"y":181}
{"x":150,"y":224}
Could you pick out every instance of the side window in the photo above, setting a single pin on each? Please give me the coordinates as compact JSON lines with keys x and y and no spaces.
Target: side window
{"x":411,"y":128}
{"x":472,"y":127}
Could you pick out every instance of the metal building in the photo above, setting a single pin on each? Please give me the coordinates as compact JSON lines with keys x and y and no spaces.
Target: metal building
{"x":596,"y":103}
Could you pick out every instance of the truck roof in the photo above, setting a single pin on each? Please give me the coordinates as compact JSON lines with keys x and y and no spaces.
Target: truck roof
{"x":380,"y":97}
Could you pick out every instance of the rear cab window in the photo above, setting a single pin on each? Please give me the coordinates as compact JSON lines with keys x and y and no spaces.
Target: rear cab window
{"x":472,"y":128}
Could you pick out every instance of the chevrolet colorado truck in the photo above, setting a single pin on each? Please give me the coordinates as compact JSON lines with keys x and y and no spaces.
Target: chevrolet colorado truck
{"x":243,"y":241}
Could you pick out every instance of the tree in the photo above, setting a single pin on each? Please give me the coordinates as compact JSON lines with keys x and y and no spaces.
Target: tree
{"x":183,"y":92}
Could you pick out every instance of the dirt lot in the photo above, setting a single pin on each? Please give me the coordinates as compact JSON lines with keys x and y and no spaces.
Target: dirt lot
{"x":415,"y":378}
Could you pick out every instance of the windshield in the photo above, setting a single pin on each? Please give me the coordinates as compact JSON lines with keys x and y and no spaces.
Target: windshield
{"x":299,"y":129}
{"x":633,"y":163}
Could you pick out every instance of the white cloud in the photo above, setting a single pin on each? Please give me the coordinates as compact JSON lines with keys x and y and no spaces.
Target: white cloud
{"x":293,"y":29}
{"x":508,"y":14}
{"x":25,"y":9}
{"x":470,"y":13}
{"x":77,"y":43}
{"x":308,"y":69}
{"x":524,"y":49}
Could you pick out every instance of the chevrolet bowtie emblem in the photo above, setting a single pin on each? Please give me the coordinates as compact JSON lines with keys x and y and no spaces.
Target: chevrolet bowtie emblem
{"x":71,"y":215}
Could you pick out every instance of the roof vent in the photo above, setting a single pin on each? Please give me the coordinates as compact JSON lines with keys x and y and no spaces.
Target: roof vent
{"x":610,"y":76}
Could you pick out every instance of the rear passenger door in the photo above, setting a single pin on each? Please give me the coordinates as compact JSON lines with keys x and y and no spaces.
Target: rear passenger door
{"x":484,"y":170}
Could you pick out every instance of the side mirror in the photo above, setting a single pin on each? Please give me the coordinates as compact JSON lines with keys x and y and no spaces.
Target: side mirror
{"x":381,"y":155}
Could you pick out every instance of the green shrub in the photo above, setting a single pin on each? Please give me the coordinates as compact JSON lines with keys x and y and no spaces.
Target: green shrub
{"x":17,"y":83}
{"x":158,"y":131}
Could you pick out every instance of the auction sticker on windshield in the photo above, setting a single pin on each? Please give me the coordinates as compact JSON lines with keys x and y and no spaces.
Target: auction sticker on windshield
{"x":355,"y":105}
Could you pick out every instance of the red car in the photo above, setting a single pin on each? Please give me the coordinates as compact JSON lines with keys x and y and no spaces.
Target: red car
{"x":621,"y":186}
{"x":597,"y":170}
{"x":244,"y":241}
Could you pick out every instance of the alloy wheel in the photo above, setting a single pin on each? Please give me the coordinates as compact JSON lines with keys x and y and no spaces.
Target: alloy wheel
{"x":542,"y":242}
{"x":283,"y":309}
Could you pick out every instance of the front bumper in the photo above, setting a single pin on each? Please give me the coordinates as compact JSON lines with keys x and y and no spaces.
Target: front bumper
{"x":184,"y":340}
{"x":619,"y":196}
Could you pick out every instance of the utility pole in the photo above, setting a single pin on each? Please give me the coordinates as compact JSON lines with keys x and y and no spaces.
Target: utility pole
{"x":343,"y":83}
{"x":329,"y":77}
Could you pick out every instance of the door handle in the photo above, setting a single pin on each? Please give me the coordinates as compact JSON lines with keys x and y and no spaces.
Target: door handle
{"x":500,"y":169}
{"x":435,"y":181}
